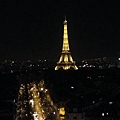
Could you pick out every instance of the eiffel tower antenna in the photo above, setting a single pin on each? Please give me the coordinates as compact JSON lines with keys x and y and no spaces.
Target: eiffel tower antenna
{"x":65,"y":17}
{"x":65,"y":62}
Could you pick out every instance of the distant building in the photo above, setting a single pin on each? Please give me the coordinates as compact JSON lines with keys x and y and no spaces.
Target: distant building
{"x":66,"y":61}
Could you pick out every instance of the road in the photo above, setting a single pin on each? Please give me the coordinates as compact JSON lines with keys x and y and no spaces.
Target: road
{"x":34,"y":103}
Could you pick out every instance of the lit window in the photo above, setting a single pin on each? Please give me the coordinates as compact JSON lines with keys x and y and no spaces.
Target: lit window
{"x":103,"y":114}
{"x":62,"y":111}
{"x":110,"y":103}
{"x":72,"y":87}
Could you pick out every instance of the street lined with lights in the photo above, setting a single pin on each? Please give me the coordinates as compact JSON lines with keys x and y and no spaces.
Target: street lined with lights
{"x":34,"y":103}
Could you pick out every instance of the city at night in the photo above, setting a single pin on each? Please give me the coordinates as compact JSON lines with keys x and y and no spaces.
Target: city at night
{"x":60,"y":60}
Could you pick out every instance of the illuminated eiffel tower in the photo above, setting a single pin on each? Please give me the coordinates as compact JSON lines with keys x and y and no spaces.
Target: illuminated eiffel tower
{"x":65,"y":62}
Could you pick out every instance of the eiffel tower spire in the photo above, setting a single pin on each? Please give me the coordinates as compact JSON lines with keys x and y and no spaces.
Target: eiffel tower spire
{"x":65,"y":62}
{"x":65,"y":37}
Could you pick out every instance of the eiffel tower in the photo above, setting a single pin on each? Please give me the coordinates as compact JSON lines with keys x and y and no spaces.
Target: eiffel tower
{"x":66,"y":61}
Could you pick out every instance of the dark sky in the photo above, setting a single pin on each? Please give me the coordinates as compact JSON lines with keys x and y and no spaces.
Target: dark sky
{"x":33,"y":29}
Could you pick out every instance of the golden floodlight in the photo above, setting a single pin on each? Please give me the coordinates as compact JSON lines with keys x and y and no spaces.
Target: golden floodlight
{"x":66,"y":61}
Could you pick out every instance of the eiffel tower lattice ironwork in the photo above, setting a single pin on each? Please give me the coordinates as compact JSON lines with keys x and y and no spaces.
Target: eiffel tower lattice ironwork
{"x":66,"y":61}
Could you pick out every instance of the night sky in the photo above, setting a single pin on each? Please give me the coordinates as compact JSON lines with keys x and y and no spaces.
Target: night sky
{"x":33,"y":29}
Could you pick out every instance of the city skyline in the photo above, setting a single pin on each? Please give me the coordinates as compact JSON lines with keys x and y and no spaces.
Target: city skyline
{"x":34,"y":30}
